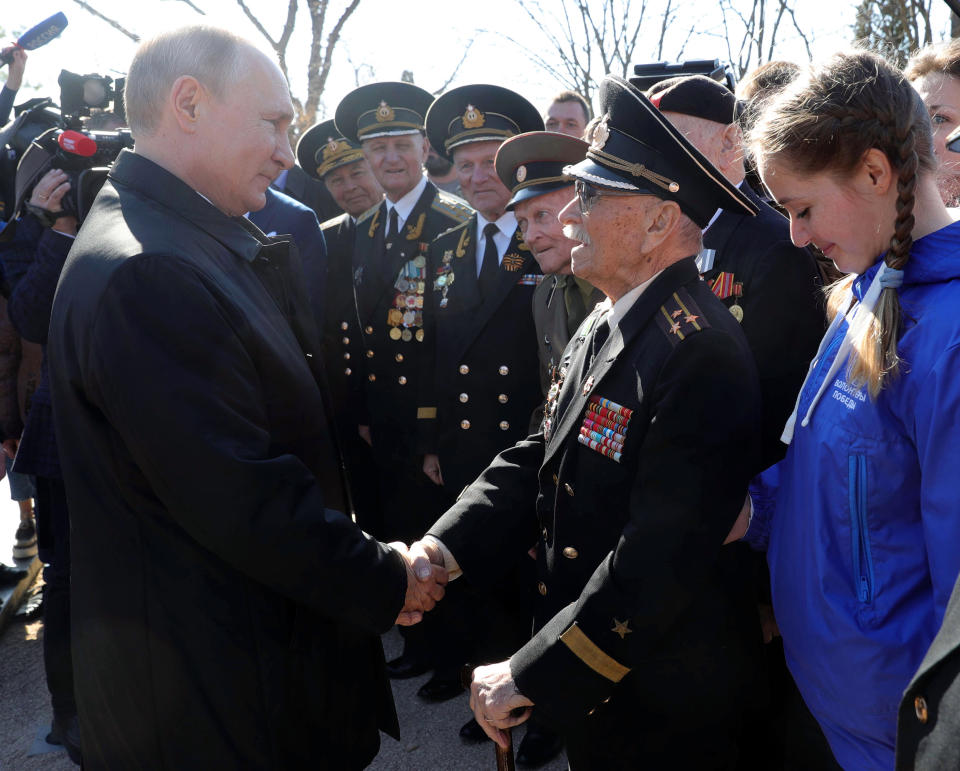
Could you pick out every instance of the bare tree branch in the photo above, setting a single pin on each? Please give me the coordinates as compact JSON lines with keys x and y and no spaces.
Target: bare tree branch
{"x":456,"y":69}
{"x":115,"y":24}
{"x":193,"y":6}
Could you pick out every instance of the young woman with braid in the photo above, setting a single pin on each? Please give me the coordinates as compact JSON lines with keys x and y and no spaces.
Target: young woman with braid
{"x":861,"y":520}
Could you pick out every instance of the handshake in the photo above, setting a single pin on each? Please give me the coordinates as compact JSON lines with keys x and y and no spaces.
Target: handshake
{"x":426,"y":578}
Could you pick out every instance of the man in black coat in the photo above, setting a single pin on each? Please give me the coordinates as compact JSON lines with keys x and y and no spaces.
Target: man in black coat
{"x":643,"y":640}
{"x":339,"y":163}
{"x":235,"y":622}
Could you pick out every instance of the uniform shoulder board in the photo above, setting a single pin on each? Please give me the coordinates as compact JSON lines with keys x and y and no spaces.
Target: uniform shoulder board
{"x":455,"y":229}
{"x":368,"y":213}
{"x":333,"y":222}
{"x":680,"y":316}
{"x":453,"y":207}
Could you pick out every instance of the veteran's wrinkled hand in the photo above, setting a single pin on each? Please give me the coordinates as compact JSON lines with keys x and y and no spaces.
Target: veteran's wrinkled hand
{"x":496,"y":702}
{"x":425,"y":584}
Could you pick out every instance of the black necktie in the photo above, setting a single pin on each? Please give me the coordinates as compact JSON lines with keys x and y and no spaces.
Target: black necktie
{"x":601,"y":331}
{"x":491,"y":261}
{"x":393,"y":227}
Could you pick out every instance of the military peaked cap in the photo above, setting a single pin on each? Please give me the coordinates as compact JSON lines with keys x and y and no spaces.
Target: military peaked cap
{"x":636,"y":148}
{"x":532,"y":164}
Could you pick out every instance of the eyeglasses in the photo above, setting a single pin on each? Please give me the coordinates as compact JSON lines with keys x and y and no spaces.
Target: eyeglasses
{"x":587,"y":194}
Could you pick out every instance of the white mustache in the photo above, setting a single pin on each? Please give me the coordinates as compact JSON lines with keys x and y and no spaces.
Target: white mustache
{"x":577,"y":233}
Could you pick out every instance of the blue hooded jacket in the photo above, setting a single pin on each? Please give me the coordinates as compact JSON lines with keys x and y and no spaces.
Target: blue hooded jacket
{"x":861,"y":520}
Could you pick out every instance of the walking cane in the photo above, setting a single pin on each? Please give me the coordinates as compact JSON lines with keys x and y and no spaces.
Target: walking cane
{"x":504,"y":756}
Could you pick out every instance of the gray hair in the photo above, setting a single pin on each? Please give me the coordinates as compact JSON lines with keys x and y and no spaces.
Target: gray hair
{"x":211,"y":55}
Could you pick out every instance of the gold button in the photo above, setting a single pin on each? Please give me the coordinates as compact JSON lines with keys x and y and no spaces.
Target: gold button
{"x":592,"y":711}
{"x":504,"y":425}
{"x":369,"y":354}
{"x":464,"y":398}
{"x":464,"y":369}
{"x":545,"y":534}
{"x":504,"y":369}
{"x":346,"y":341}
{"x":402,"y":380}
{"x":568,"y":489}
{"x":399,"y":357}
{"x":346,"y":356}
{"x":369,"y":330}
{"x":606,"y":700}
{"x":344,"y":326}
{"x":920,"y":707}
{"x":464,"y":424}
{"x":556,"y":479}
{"x":570,"y":553}
{"x":348,"y":371}
{"x":542,"y":588}
{"x":502,"y":398}
{"x":371,"y":377}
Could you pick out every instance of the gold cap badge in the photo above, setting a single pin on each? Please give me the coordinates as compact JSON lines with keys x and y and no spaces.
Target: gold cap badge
{"x":601,"y":134}
{"x":332,"y":147}
{"x":473,"y":118}
{"x":521,"y":173}
{"x":384,"y":113}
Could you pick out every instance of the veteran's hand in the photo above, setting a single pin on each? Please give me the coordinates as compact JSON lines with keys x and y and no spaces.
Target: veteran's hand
{"x":496,"y":702}
{"x":431,"y":467}
{"x":425,"y":584}
{"x":740,"y":527}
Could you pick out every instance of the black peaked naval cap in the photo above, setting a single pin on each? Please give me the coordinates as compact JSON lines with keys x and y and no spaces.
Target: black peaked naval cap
{"x":532,"y":164}
{"x":322,"y":149}
{"x":382,"y":109}
{"x":636,"y":148}
{"x":695,"y":95}
{"x":478,"y":113}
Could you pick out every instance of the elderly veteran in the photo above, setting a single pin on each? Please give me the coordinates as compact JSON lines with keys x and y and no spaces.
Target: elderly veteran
{"x":333,"y":159}
{"x":390,"y":289}
{"x":643,"y":643}
{"x":236,"y":622}
{"x":531,"y":165}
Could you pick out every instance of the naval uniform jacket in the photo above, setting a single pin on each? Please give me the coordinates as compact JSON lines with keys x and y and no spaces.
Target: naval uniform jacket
{"x":235,"y":623}
{"x":928,"y":724}
{"x":781,"y":303}
{"x":390,"y":288}
{"x":485,"y":370}
{"x":640,"y":635}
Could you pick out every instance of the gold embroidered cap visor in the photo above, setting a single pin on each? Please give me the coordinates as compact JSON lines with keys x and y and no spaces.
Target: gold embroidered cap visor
{"x":382,"y":109}
{"x":636,"y":148}
{"x":532,"y":164}
{"x":322,"y":149}
{"x":478,"y":113}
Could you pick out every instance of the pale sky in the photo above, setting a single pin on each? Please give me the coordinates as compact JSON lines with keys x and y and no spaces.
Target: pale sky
{"x":385,"y":37}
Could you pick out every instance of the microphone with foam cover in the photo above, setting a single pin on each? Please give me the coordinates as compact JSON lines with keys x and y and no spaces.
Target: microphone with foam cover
{"x":77,"y":143}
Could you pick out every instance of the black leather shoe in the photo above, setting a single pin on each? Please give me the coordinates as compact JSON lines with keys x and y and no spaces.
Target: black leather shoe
{"x":472,"y":733}
{"x":65,"y":730}
{"x":540,"y":745}
{"x":440,"y":688}
{"x":405,"y":666}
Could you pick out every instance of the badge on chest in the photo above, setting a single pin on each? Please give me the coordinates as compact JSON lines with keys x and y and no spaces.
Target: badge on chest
{"x":604,"y":427}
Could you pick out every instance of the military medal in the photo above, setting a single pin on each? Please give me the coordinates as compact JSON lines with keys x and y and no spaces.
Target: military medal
{"x":736,"y":309}
{"x":395,"y":333}
{"x":407,"y":335}
{"x":588,"y":385}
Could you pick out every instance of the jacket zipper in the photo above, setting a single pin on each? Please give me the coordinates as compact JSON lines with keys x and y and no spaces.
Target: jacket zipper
{"x":862,"y":558}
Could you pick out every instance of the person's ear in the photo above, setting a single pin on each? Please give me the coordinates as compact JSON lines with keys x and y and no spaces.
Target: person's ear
{"x":876,"y":173}
{"x":731,"y":146}
{"x":185,"y":100}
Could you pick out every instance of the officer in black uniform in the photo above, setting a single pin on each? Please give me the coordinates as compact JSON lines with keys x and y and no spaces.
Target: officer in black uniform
{"x":650,"y":438}
{"x":482,"y":277}
{"x":531,"y":165}
{"x":771,"y":286}
{"x":390,"y":286}
{"x":339,"y":164}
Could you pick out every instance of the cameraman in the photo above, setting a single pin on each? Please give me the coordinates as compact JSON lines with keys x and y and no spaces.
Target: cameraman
{"x":32,"y":262}
{"x":14,"y":78}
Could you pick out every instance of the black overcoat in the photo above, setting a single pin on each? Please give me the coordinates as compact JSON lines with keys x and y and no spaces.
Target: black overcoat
{"x":224,"y":612}
{"x":644,"y":630}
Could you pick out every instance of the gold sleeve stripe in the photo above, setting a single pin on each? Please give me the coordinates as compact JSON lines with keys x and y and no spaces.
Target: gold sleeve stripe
{"x":587,"y":651}
{"x":426,"y":413}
